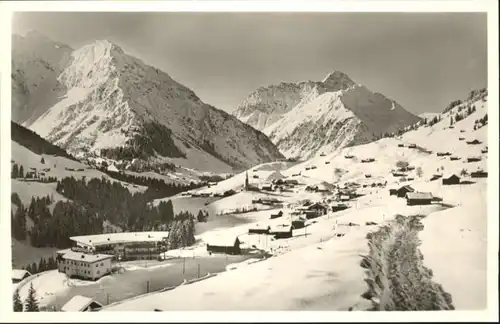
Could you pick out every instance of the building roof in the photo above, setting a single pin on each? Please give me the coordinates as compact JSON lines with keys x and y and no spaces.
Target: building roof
{"x":19,"y":273}
{"x":419,"y":195}
{"x":78,"y":303}
{"x":281,"y":228}
{"x":407,"y":187}
{"x":221,"y":240}
{"x":85,"y":257}
{"x":450,"y":175}
{"x":125,"y":237}
{"x":259,"y":226}
{"x":315,"y":205}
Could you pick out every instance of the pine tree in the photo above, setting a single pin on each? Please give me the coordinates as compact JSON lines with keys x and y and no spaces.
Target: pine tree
{"x":21,"y":172}
{"x":42,"y":161}
{"x":15,"y":171}
{"x":31,"y":303}
{"x":18,"y":304}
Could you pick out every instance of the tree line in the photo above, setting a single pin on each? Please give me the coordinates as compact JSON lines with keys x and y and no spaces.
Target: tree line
{"x":157,"y":188}
{"x":33,"y":142}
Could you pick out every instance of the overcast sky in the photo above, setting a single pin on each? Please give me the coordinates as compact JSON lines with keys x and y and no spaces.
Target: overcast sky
{"x":421,"y":60}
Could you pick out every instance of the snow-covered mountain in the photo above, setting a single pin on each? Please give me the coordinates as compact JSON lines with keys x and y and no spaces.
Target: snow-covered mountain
{"x":36,"y":63}
{"x":305,"y":118}
{"x":108,"y":103}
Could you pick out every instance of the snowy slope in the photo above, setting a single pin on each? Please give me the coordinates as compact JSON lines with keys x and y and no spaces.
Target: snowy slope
{"x":111,"y":100}
{"x":306,"y":118}
{"x":34,"y":74}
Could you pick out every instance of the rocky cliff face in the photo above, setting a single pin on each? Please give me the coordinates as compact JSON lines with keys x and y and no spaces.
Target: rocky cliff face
{"x":109,"y":103}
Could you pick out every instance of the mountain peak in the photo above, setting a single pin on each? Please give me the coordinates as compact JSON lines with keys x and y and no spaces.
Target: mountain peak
{"x":338,"y":80}
{"x":104,"y":45}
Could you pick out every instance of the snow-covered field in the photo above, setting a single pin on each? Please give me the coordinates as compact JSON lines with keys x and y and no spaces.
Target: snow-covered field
{"x":319,"y":267}
{"x":320,"y":271}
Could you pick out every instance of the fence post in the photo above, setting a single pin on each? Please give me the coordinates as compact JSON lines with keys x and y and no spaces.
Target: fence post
{"x":198,"y":270}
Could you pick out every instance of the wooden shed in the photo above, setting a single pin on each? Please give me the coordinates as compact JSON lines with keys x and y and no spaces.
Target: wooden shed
{"x":223,"y":244}
{"x":451,"y":179}
{"x":418,"y":198}
{"x":401,"y":192}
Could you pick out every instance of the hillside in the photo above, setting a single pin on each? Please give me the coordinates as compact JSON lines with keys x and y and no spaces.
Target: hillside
{"x":307,"y":118}
{"x":113,"y":105}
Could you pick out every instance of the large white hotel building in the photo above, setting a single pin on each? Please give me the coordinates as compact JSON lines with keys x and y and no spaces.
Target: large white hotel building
{"x":92,"y":255}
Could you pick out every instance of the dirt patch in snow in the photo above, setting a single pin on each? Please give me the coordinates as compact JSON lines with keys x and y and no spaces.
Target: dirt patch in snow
{"x":396,"y":277}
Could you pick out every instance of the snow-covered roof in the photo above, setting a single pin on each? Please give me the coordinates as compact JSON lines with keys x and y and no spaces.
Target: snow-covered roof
{"x":124,"y":237}
{"x":19,"y":273}
{"x":221,"y":240}
{"x":259,"y":226}
{"x":78,"y":303}
{"x":85,"y":257}
{"x":419,"y":195}
{"x":281,"y":228}
{"x":112,"y":168}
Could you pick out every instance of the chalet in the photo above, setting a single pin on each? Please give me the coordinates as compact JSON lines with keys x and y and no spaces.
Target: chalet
{"x":292,"y":182}
{"x":418,"y":198}
{"x":308,"y":168}
{"x":401,"y":145}
{"x":315,"y":210}
{"x":479,"y":174}
{"x":313,"y":167}
{"x":298,"y":222}
{"x":259,"y":229}
{"x":327,"y":162}
{"x":368,"y":160}
{"x":81,"y":304}
{"x":412,"y":146}
{"x":347,"y":156}
{"x":461,"y":138}
{"x":398,"y":174}
{"x":451,"y":179}
{"x":401,"y":192}
{"x":454,"y":158}
{"x":277,"y":215}
{"x":474,"y":142}
{"x":204,"y":194}
{"x":443,"y":153}
{"x":255,"y":176}
{"x":339,"y":207}
{"x":462,"y":131}
{"x":19,"y":275}
{"x":368,"y":175}
{"x":281,"y":231}
{"x":393,"y":192}
{"x":485,"y":150}
{"x":322,"y":154}
{"x":474,"y":159}
{"x":223,"y":244}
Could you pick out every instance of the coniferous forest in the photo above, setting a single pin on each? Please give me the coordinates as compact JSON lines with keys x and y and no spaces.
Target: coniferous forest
{"x":89,"y":204}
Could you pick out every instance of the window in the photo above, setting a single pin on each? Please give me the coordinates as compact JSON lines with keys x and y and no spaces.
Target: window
{"x":97,"y":271}
{"x":102,"y":264}
{"x":96,"y":265}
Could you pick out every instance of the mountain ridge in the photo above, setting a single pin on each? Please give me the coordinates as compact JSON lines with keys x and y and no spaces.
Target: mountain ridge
{"x":108,"y":99}
{"x":309,"y":114}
